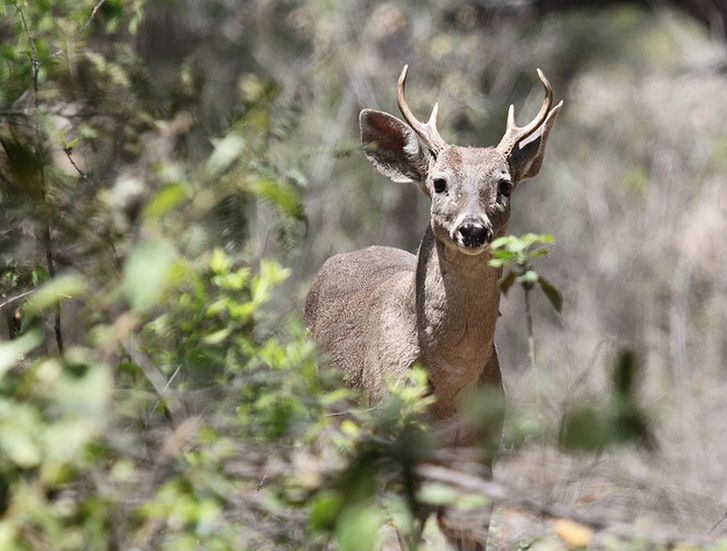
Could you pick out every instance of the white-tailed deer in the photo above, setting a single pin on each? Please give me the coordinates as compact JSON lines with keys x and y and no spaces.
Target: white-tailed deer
{"x":379,"y":310}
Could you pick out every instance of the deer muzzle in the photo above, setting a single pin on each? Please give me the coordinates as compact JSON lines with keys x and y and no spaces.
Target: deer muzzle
{"x":473,"y":234}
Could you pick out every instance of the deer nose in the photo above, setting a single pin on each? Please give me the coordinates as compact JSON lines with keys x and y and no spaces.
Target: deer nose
{"x":473,"y":233}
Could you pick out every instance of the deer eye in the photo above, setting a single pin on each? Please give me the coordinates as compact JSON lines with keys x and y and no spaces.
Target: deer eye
{"x":440,"y":185}
{"x":504,"y":187}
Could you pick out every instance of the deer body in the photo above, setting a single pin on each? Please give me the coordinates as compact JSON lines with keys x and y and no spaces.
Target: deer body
{"x":379,"y":310}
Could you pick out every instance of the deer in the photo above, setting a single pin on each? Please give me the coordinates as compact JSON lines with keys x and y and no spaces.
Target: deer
{"x":378,"y":311}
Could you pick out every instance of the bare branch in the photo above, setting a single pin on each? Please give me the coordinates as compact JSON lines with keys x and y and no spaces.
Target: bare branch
{"x":33,"y":51}
{"x":154,"y":376}
{"x":503,"y":495}
{"x":16,"y":298}
{"x":95,"y":9}
{"x":80,"y":172}
{"x":80,"y":31}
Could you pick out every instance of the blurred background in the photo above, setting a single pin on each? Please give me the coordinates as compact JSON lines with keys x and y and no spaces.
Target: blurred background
{"x":139,"y":136}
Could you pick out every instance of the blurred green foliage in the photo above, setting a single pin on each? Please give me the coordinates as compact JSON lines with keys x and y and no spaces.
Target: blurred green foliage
{"x":189,"y":409}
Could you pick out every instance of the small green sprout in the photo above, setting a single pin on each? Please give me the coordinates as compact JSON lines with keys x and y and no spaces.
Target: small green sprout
{"x":516,"y":255}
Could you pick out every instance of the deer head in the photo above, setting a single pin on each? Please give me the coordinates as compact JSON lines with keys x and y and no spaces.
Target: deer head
{"x":469,"y":187}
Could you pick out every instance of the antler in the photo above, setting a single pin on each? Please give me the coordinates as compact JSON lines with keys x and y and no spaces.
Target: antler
{"x":427,"y":132}
{"x":515,"y":134}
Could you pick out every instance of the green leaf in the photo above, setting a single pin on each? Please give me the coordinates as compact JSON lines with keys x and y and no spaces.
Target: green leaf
{"x":218,"y":336}
{"x":553,"y":295}
{"x":625,"y":373}
{"x":357,"y":528}
{"x":279,"y":195}
{"x":62,"y":287}
{"x":506,"y":282}
{"x":219,"y":262}
{"x":271,"y":274}
{"x":434,"y":493}
{"x":471,"y":502}
{"x":324,"y":510}
{"x":227,"y":150}
{"x":20,"y":425}
{"x":583,"y":429}
{"x":12,"y":351}
{"x":166,"y":199}
{"x":146,"y":273}
{"x":537,"y":253}
{"x":69,"y":146}
{"x":505,"y":255}
{"x":501,"y":242}
{"x":530,"y":239}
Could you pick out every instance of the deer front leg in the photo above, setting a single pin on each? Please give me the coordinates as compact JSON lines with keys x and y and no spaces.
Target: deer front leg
{"x":468,"y":530}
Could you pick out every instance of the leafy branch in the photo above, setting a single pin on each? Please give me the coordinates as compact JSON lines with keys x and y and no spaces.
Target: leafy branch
{"x":516,"y":255}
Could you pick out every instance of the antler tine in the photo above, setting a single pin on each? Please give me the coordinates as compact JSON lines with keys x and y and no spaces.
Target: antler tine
{"x":427,"y":132}
{"x":515,"y":134}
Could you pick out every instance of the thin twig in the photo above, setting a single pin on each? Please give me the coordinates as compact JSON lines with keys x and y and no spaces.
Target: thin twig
{"x":80,"y":172}
{"x":167,"y":385}
{"x":16,"y":298}
{"x":80,"y":31}
{"x":351,"y":411}
{"x":716,"y":524}
{"x":33,"y":52}
{"x":47,"y":242}
{"x":13,"y":113}
{"x":531,"y":334}
{"x":154,"y":376}
{"x":95,"y":9}
{"x":52,"y":273}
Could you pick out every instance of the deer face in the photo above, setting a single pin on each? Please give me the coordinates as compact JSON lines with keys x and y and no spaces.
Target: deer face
{"x":469,"y":187}
{"x":470,"y":192}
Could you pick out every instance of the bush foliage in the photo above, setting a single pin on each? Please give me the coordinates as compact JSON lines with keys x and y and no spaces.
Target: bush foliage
{"x":157,"y":389}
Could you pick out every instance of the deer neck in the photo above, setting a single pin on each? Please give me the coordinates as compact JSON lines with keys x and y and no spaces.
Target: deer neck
{"x":457,"y":299}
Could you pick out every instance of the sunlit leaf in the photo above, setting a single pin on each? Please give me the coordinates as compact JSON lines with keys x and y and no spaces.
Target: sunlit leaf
{"x":357,"y":527}
{"x":60,"y":288}
{"x":69,"y":146}
{"x":434,"y":493}
{"x":167,"y":198}
{"x":218,"y":336}
{"x":226,"y":152}
{"x":20,"y":425}
{"x":12,"y":351}
{"x":219,"y":262}
{"x":501,"y":242}
{"x":147,"y":272}
{"x":537,"y":253}
{"x":528,"y":279}
{"x":281,"y":196}
{"x":324,"y":510}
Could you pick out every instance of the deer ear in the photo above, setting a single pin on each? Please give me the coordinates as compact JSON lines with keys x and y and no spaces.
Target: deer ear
{"x":526,"y":160}
{"x":393,"y":147}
